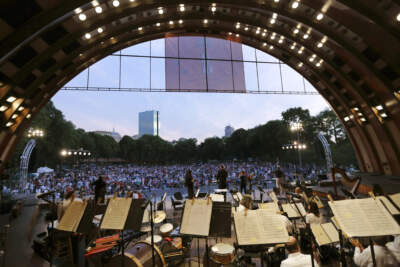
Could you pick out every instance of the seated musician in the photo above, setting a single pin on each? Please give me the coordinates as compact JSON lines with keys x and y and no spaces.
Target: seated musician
{"x":246,"y":202}
{"x":295,"y":257}
{"x":313,"y":216}
{"x":394,"y":247}
{"x":363,"y":257}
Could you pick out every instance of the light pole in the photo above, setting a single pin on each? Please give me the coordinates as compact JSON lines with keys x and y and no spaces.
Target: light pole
{"x":297,"y":127}
{"x":33,"y":134}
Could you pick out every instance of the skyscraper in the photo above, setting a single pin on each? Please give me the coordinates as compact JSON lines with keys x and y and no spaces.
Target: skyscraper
{"x":229,"y":131}
{"x":149,"y":123}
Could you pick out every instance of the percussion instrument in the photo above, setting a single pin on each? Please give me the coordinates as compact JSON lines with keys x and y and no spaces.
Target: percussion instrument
{"x":159,"y":216}
{"x":145,"y":229}
{"x":222,"y":253}
{"x":157,"y":239}
{"x":139,"y":255}
{"x":166,"y":229}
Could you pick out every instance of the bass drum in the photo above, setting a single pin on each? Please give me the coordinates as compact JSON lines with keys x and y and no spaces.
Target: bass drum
{"x":139,"y":255}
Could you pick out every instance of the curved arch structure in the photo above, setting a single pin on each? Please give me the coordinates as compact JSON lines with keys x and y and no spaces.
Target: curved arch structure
{"x":25,"y":157}
{"x":348,"y":49}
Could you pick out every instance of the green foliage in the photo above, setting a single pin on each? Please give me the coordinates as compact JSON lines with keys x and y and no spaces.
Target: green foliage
{"x":263,"y":142}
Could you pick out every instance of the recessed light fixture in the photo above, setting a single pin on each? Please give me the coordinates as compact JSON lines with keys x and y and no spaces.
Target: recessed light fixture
{"x":295,"y":4}
{"x":320,"y":16}
{"x":271,"y":47}
{"x":158,"y":24}
{"x":98,"y":9}
{"x":100,"y":30}
{"x":205,"y":21}
{"x":160,"y":10}
{"x":88,"y":35}
{"x":11,"y":99}
{"x":82,"y":17}
{"x":171,"y":22}
{"x":181,"y":7}
{"x":180,"y":21}
{"x":115,"y":3}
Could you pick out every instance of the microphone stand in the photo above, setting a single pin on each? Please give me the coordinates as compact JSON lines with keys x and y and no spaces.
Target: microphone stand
{"x":152,"y":234}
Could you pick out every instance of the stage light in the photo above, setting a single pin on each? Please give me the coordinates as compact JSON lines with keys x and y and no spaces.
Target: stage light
{"x":320,"y":16}
{"x":318,"y":64}
{"x":205,"y":21}
{"x":69,"y":153}
{"x":131,"y":0}
{"x":160,"y":10}
{"x":272,"y":21}
{"x":11,"y":99}
{"x":180,"y":21}
{"x":95,"y":3}
{"x":181,"y":7}
{"x":115,"y":3}
{"x":100,"y":30}
{"x":82,"y":17}
{"x":158,"y":24}
{"x":63,"y":153}
{"x":363,"y":120}
{"x":88,"y":35}
{"x":98,"y":9}
{"x":346,"y":118}
{"x":295,"y":4}
{"x":359,"y":114}
{"x":171,"y":22}
{"x":356,"y":108}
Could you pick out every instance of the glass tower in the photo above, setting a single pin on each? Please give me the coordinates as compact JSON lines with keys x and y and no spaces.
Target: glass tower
{"x":149,"y":123}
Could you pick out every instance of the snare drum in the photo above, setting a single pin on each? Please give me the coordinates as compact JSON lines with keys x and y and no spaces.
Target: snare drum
{"x":166,"y":229}
{"x":222,"y":253}
{"x":145,"y":229}
{"x":139,"y":255}
{"x":157,"y":239}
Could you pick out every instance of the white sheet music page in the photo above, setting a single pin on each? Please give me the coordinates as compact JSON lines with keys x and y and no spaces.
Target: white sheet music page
{"x":320,"y":236}
{"x":273,"y":231}
{"x":116,"y":213}
{"x":292,"y":211}
{"x":270,"y":207}
{"x":72,"y":217}
{"x":396,"y":199}
{"x":364,"y":218}
{"x":331,"y":231}
{"x":196,"y":217}
{"x":247,"y":228}
{"x":392,"y":209}
{"x":272,"y":195}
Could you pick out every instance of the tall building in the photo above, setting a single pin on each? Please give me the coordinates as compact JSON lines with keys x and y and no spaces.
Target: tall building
{"x":149,"y":123}
{"x":229,"y":131}
{"x":117,"y":137}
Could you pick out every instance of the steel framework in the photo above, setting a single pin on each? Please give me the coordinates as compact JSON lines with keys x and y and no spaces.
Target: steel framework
{"x":26,"y":155}
{"x":327,"y":151}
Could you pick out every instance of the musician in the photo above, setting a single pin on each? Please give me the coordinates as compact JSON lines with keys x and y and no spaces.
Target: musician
{"x":280,"y":179}
{"x":295,"y":257}
{"x":313,"y":216}
{"x":221,"y":179}
{"x":99,"y":190}
{"x":363,"y":258}
{"x":394,"y":247}
{"x":189,"y":183}
{"x":243,"y":182}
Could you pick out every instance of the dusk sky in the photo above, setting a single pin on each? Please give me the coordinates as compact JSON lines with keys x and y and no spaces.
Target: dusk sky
{"x":198,"y":115}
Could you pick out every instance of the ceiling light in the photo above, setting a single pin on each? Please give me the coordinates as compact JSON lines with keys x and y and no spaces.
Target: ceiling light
{"x":274,"y":16}
{"x":320,"y":45}
{"x":257,"y":31}
{"x":300,"y":64}
{"x":276,"y":1}
{"x":131,"y":0}
{"x":293,"y":46}
{"x":356,"y":108}
{"x":237,"y":25}
{"x":171,"y":22}
{"x":87,"y":35}
{"x":140,"y":28}
{"x":160,"y":10}
{"x":318,"y":64}
{"x":229,"y":33}
{"x":263,"y":34}
{"x":115,"y":3}
{"x":305,"y":36}
{"x":28,"y":116}
{"x":359,"y":114}
{"x":272,"y":21}
{"x":14,"y":116}
{"x":158,"y":24}
{"x":205,"y":21}
{"x":398,"y":17}
{"x":320,"y":16}
{"x":180,"y":21}
{"x":264,"y":44}
{"x":295,"y":4}
{"x":21,"y":108}
{"x":181,"y":7}
{"x":3,"y":108}
{"x":82,"y":17}
{"x":383,"y":115}
{"x":379,"y":107}
{"x":237,"y":35}
{"x":98,"y":9}
{"x":363,"y":119}
{"x":346,"y":118}
{"x":100,"y":30}
{"x":296,"y":31}
{"x":213,"y":9}
{"x":11,"y":99}
{"x":280,"y":41}
{"x":246,"y":28}
{"x":272,"y":37}
{"x":311,"y":59}
{"x":9,"y":124}
{"x":271,"y":47}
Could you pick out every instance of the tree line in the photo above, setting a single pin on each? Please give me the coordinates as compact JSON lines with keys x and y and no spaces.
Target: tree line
{"x":263,"y":142}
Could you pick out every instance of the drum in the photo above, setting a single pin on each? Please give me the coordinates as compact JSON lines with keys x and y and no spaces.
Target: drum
{"x":159,"y":216}
{"x":157,"y":239}
{"x":139,"y":255}
{"x":145,"y":229}
{"x":166,"y":229}
{"x":222,"y":253}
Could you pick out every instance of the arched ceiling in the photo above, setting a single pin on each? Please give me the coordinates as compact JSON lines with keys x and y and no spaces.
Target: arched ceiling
{"x":348,"y":49}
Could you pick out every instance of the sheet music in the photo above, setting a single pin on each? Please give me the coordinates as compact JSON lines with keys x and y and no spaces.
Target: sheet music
{"x":259,"y":227}
{"x":292,"y":211}
{"x":116,"y":213}
{"x":272,"y":195}
{"x":364,"y":218}
{"x":396,"y":199}
{"x":196,"y":217}
{"x":270,"y":207}
{"x":72,"y":217}
{"x":217,"y":197}
{"x":320,"y":236}
{"x":392,"y":209}
{"x":331,"y":231}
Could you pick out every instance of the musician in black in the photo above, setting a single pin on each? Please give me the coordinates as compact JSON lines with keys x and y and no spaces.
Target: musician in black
{"x":99,"y":190}
{"x":221,"y":179}
{"x":280,"y":176}
{"x":189,"y":183}
{"x":243,"y":182}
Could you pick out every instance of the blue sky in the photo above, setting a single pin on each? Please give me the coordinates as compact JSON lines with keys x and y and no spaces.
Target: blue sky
{"x":198,"y":115}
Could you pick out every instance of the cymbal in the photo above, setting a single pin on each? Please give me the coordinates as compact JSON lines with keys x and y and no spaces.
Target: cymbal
{"x":159,"y":216}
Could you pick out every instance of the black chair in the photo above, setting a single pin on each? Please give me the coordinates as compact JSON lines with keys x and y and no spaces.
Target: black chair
{"x":177,"y":204}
